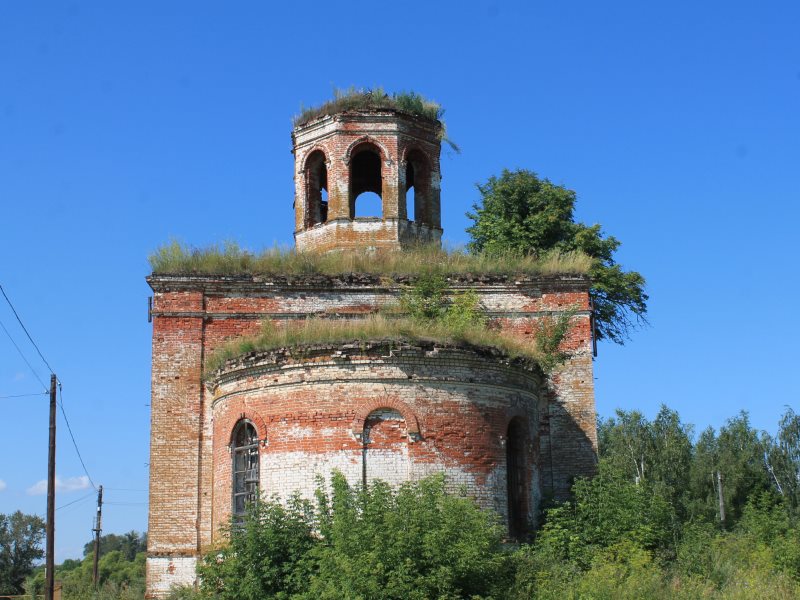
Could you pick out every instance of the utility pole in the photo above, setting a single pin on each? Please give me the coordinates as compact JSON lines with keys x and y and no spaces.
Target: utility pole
{"x":98,"y":527}
{"x":49,"y":574}
{"x":721,"y":499}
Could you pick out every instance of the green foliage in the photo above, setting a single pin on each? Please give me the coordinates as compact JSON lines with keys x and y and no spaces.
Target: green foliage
{"x":128,"y":544}
{"x":737,"y":453}
{"x":267,"y":556}
{"x":175,"y":258}
{"x":658,"y":453}
{"x":417,"y":542}
{"x":520,"y":213}
{"x":548,"y":336}
{"x":120,"y":569}
{"x":783,"y":460}
{"x":426,"y":301}
{"x":606,"y":510}
{"x":21,"y":537}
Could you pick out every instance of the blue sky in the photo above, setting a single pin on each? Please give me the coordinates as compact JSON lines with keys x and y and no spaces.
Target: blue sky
{"x":678,"y":124}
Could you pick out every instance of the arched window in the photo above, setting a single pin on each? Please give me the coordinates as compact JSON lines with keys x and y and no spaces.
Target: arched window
{"x":245,"y":467}
{"x":366,"y":178}
{"x":316,"y":189}
{"x":418,"y":185}
{"x":517,"y":475}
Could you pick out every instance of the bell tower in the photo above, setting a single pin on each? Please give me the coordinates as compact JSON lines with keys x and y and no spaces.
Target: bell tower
{"x":392,"y":154}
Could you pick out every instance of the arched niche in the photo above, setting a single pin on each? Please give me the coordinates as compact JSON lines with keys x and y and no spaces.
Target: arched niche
{"x":385,"y":447}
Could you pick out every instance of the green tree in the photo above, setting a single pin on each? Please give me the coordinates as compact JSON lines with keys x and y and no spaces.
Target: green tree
{"x":604,"y":511}
{"x":129,"y":544}
{"x":20,"y":547}
{"x":658,"y":452}
{"x":783,"y":460}
{"x":519,"y":213}
{"x":737,"y":453}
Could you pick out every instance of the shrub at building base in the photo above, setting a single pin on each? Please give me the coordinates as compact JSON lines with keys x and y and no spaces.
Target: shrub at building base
{"x":413,"y":543}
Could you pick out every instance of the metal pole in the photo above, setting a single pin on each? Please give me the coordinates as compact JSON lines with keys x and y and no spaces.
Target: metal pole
{"x":51,"y":497}
{"x":98,"y":528}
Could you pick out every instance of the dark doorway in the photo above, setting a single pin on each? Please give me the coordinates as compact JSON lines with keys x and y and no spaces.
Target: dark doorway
{"x":517,"y":474}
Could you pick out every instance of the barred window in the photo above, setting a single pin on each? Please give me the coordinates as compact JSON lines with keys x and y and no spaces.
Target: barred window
{"x":245,"y":467}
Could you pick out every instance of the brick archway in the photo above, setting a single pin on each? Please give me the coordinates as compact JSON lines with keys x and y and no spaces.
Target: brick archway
{"x":412,"y":425}
{"x":228,"y":424}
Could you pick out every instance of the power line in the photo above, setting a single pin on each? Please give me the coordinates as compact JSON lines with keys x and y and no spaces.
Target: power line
{"x":14,"y":310}
{"x":74,"y":443}
{"x":23,"y":395}
{"x":81,"y":499}
{"x":35,"y":374}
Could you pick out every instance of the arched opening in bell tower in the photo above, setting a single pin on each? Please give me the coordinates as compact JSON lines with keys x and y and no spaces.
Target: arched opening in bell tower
{"x":366,"y":182}
{"x":316,"y":175}
{"x":418,"y":185}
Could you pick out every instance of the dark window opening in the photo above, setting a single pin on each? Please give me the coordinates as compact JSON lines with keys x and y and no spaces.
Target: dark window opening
{"x":366,"y":183}
{"x":316,"y":189}
{"x":245,"y":467}
{"x":517,"y":475}
{"x":418,"y":187}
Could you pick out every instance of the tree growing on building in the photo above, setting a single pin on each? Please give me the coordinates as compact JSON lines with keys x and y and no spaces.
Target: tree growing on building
{"x":519,"y":213}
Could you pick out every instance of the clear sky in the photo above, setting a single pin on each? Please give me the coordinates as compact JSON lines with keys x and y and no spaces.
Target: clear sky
{"x":124,"y":125}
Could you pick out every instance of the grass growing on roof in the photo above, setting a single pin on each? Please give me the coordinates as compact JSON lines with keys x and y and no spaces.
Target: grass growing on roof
{"x":373,"y":328}
{"x":352,"y":99}
{"x":229,"y":259}
{"x":355,"y":99}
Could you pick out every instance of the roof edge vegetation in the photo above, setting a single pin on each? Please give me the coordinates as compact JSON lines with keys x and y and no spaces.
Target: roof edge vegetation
{"x":541,"y":350}
{"x":359,"y":99}
{"x":228,"y":260}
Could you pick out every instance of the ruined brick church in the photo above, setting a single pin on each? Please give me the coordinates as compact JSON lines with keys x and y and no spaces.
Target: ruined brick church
{"x":269,"y":422}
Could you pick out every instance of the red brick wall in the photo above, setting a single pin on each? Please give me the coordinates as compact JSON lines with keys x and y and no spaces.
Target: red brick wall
{"x":310,"y":425}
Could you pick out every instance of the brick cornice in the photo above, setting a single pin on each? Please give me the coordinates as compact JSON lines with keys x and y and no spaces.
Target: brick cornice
{"x":269,"y":284}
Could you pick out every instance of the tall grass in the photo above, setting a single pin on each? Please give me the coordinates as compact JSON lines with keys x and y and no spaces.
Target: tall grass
{"x":229,"y":259}
{"x":373,"y":328}
{"x":352,"y":99}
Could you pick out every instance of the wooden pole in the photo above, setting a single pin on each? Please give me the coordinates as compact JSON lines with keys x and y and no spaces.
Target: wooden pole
{"x":98,"y":528}
{"x":51,"y":497}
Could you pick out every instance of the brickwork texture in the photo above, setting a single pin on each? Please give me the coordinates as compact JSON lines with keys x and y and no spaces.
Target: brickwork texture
{"x":499,"y":428}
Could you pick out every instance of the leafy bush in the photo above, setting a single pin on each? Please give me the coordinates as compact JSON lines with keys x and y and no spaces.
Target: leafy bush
{"x":417,"y":542}
{"x":266,"y":557}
